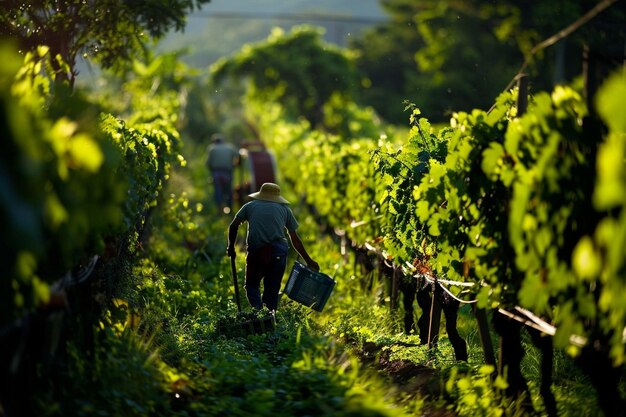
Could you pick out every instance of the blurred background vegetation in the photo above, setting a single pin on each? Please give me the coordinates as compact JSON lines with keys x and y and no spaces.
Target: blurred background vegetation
{"x":442,"y":56}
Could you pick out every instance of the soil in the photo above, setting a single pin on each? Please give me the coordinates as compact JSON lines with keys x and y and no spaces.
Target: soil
{"x":410,"y":379}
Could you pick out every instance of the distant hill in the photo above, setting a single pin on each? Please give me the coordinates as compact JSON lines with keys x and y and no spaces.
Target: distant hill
{"x":224,"y":26}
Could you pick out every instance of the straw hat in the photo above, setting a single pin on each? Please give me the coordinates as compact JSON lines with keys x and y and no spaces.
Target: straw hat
{"x":269,"y":192}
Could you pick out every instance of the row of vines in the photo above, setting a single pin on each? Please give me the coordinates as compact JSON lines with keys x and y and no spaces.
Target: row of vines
{"x":78,"y":184}
{"x":83,"y":184}
{"x":514,"y":208}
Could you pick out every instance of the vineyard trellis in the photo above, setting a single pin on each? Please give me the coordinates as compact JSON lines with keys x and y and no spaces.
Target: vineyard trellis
{"x":421,"y":197}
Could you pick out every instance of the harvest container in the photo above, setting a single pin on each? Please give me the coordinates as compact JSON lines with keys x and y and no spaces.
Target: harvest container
{"x":251,"y":325}
{"x":309,"y":287}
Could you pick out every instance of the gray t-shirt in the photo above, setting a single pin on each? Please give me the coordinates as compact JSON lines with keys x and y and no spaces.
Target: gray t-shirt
{"x":221,"y":156}
{"x":266,"y":222}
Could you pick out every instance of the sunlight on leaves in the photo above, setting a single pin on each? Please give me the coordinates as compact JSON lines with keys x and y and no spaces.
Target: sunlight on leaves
{"x":585,"y":260}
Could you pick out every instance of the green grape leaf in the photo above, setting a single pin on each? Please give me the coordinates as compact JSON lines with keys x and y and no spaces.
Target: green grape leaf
{"x":611,"y":185}
{"x":586,"y":262}
{"x":533,"y":294}
{"x":492,"y":160}
{"x":483,"y":297}
{"x":433,"y":227}
{"x":86,"y":153}
{"x":422,"y":209}
{"x":610,"y":103}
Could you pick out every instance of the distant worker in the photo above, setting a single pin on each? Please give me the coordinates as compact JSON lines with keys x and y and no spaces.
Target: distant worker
{"x":268,"y":216}
{"x":221,"y":160}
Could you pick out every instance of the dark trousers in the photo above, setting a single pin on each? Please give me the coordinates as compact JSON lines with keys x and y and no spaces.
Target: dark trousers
{"x":223,"y":184}
{"x":265,"y":264}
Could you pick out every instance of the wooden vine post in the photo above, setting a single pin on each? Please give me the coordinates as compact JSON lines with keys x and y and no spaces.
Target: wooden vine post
{"x":522,"y":95}
{"x":435,"y":316}
{"x":484,"y":335}
{"x":395,"y":287}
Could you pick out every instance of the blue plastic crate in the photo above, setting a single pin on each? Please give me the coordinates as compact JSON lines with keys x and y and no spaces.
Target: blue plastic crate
{"x":309,"y":287}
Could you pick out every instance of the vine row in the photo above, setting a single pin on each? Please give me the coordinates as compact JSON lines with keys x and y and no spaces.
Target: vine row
{"x":77,"y":182}
{"x":528,"y":207}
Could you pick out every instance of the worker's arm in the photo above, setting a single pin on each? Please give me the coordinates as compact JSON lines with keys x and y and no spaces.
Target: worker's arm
{"x":299,"y":247}
{"x":232,"y":236}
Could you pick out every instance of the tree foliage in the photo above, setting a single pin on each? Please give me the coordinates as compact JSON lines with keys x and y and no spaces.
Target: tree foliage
{"x":107,"y":31}
{"x":461,"y":55}
{"x":386,"y":59}
{"x":296,"y":69}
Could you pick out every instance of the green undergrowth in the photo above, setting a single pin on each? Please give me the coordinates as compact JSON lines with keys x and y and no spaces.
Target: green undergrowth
{"x":159,"y":351}
{"x":294,"y":370}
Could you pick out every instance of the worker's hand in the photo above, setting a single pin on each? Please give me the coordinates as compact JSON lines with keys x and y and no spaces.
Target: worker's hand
{"x":231,"y":251}
{"x":313,"y":265}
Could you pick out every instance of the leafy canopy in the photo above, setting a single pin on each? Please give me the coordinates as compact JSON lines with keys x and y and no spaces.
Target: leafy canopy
{"x":297,"y":70}
{"x":448,"y":56}
{"x":106,"y":31}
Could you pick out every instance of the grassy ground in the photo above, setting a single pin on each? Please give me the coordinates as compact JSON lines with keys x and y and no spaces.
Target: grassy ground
{"x":158,"y":350}
{"x":358,"y":340}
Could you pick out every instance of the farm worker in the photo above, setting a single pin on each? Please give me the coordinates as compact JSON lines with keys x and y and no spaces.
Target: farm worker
{"x":221,"y":159}
{"x":268,"y":215}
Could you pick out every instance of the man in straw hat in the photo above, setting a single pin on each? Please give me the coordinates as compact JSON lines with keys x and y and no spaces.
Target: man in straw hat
{"x":268,"y":215}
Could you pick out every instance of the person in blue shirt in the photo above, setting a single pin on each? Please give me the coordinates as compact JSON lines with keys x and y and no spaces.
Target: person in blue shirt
{"x":221,"y":160}
{"x":268,"y":216}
